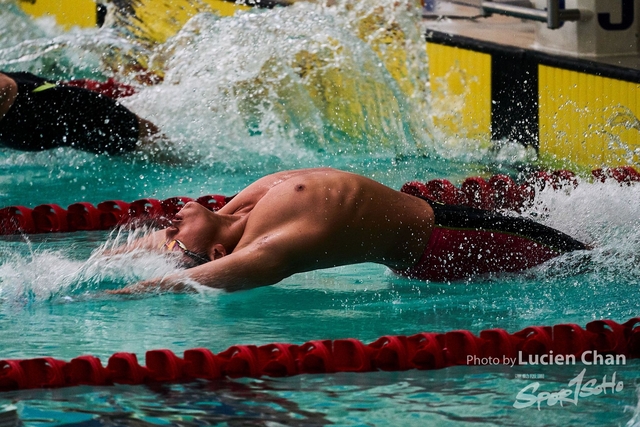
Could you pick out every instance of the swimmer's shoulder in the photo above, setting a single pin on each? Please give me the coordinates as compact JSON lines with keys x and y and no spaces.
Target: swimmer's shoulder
{"x":274,"y":185}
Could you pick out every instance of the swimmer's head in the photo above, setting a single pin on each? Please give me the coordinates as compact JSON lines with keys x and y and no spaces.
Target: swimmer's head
{"x":207,"y":234}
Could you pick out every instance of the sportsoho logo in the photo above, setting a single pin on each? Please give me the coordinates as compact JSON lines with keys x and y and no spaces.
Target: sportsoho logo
{"x":577,"y":388}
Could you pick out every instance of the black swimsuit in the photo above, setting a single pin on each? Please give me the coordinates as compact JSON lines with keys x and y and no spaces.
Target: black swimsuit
{"x":466,"y":242}
{"x":46,"y":115}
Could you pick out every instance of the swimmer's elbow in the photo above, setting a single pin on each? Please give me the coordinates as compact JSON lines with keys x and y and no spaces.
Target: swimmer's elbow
{"x":248,"y":269}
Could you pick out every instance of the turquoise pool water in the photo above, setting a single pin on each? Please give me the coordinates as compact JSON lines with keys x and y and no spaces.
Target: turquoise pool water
{"x":237,"y":102}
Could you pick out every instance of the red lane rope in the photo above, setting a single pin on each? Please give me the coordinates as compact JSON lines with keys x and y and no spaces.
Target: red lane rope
{"x":502,"y":192}
{"x":498,"y":192}
{"x":424,"y":351}
{"x":52,"y":218}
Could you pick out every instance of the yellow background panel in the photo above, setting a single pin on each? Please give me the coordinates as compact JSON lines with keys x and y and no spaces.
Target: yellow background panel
{"x":68,"y":13}
{"x":460,"y":90}
{"x":160,"y":20}
{"x":588,"y":120}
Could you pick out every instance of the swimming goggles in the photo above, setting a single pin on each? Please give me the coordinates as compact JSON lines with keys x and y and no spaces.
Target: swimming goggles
{"x":199,"y":259}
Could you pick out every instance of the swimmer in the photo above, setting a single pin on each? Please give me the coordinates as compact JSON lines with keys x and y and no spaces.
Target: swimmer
{"x":303,"y":220}
{"x":36,"y":115}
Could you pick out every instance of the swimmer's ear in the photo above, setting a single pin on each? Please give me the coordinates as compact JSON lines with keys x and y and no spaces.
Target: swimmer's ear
{"x":218,"y":251}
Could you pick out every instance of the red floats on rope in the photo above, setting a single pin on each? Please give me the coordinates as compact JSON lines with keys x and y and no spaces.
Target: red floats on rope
{"x":52,"y":218}
{"x":501,"y":192}
{"x":623,"y":174}
{"x":387,"y":353}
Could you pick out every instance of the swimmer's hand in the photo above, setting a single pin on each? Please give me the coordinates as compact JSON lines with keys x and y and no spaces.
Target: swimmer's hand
{"x":154,"y":285}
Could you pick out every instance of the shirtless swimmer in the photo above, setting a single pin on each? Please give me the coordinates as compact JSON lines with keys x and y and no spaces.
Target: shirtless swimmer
{"x":302,"y":220}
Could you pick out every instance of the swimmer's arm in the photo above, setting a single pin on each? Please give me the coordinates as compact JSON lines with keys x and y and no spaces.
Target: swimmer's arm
{"x":248,"y":268}
{"x":8,"y":93}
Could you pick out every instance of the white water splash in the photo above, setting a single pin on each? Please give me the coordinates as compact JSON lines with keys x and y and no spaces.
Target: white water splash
{"x":283,"y":83}
{"x":598,"y":213}
{"x":273,"y":86}
{"x":45,"y":274}
{"x":602,"y":215}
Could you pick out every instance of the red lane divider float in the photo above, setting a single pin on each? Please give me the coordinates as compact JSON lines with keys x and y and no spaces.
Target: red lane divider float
{"x":600,"y":339}
{"x":498,"y":192}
